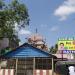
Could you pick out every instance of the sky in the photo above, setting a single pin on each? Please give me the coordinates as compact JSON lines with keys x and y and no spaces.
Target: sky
{"x":52,"y":18}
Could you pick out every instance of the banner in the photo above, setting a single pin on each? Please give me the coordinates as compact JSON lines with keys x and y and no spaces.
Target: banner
{"x":66,"y":44}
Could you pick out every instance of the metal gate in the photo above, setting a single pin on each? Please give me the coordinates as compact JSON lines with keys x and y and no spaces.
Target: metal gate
{"x":25,"y":72}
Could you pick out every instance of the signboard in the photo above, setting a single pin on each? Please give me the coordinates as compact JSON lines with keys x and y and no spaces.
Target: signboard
{"x":67,"y":45}
{"x":68,"y":51}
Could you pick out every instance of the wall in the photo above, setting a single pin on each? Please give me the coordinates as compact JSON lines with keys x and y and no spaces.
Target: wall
{"x":4,"y":43}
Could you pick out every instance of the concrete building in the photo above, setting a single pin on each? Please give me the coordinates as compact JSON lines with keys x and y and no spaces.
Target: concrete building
{"x":4,"y":42}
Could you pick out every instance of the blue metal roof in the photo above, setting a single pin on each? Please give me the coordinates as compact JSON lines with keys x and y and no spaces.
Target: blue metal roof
{"x":26,"y":50}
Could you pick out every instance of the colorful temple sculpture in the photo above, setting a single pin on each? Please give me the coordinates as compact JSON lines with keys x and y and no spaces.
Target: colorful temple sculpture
{"x":37,"y":41}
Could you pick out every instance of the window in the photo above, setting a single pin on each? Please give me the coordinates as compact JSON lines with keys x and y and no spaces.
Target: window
{"x":43,"y":63}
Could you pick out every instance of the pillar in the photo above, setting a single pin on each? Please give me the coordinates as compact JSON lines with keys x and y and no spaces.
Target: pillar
{"x":33,"y":65}
{"x":16,"y":66}
{"x":52,"y":66}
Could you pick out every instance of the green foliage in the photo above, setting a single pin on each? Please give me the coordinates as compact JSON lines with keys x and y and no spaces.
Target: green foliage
{"x":54,"y":49}
{"x":5,"y":50}
{"x":10,"y":14}
{"x":2,"y":52}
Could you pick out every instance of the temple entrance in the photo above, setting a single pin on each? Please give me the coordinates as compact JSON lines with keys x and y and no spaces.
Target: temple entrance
{"x":25,"y":66}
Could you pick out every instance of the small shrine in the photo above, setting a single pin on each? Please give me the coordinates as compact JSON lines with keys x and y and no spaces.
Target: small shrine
{"x":27,"y":60}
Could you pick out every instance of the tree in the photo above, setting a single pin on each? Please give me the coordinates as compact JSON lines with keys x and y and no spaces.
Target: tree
{"x":10,"y":14}
{"x":54,"y":49}
{"x":5,"y":50}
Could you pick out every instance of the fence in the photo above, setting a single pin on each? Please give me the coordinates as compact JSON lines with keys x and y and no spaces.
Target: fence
{"x":42,"y":72}
{"x":6,"y":71}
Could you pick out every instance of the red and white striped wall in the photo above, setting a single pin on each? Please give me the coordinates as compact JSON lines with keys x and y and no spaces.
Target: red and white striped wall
{"x":42,"y":72}
{"x":6,"y":71}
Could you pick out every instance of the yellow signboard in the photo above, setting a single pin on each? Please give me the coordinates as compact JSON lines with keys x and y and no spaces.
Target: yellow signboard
{"x":66,"y":44}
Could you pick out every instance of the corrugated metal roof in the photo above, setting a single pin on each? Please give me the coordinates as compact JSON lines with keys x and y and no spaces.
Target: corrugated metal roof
{"x":26,"y":50}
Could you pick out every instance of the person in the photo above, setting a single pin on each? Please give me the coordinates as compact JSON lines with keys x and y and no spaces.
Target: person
{"x":61,"y":46}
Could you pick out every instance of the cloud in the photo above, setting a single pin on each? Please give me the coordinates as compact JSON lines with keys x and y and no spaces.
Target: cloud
{"x":66,"y":9}
{"x":20,"y":43}
{"x":54,"y":28}
{"x":16,"y":27}
{"x":24,"y":32}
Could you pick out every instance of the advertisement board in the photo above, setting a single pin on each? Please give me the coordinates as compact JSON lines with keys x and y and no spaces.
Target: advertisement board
{"x":67,"y":45}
